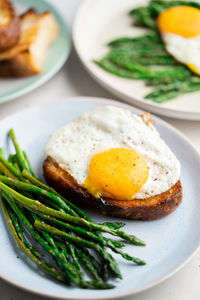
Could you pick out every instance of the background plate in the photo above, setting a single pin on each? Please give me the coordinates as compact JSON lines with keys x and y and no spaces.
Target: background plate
{"x":56,"y":57}
{"x":170,"y":241}
{"x":110,"y":20}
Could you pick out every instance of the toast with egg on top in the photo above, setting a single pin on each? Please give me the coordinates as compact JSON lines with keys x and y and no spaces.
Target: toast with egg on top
{"x":142,"y":206}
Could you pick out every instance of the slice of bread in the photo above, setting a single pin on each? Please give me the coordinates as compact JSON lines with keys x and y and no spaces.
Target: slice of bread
{"x":38,"y":31}
{"x":150,"y":208}
{"x":9,"y":25}
{"x":139,"y":209}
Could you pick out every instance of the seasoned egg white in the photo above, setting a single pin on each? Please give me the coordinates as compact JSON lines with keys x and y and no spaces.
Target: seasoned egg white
{"x":73,"y":146}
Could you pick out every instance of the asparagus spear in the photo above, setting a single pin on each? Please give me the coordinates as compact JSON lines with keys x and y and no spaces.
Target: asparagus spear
{"x":163,"y":94}
{"x":50,"y":203}
{"x":45,"y":234}
{"x":81,"y":242}
{"x":36,"y":206}
{"x":107,"y":65}
{"x":12,"y":159}
{"x":114,"y":225}
{"x":70,"y":271}
{"x":144,"y":56}
{"x":38,"y":261}
{"x":73,"y":255}
{"x":19,"y":153}
{"x":95,"y":263}
{"x":28,"y":163}
{"x":2,"y":152}
{"x":11,"y":169}
{"x":63,"y":249}
{"x":87,"y":263}
{"x":78,"y":230}
{"x":115,"y":243}
{"x":146,"y":38}
{"x":47,"y":268}
{"x":40,"y":184}
{"x":86,"y":243}
{"x":146,"y":18}
{"x":39,"y":191}
{"x":53,"y":243}
{"x":6,"y":171}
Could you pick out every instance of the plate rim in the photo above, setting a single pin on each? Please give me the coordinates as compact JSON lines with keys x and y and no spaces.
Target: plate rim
{"x":132,"y":109}
{"x":21,"y":90}
{"x":152,"y":107}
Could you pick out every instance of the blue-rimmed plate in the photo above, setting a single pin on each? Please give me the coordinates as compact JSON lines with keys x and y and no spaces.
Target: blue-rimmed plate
{"x":57,"y":55}
{"x":171,"y":241}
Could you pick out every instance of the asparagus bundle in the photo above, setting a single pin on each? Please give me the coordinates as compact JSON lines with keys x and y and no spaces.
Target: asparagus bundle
{"x":144,"y":57}
{"x":74,"y":242}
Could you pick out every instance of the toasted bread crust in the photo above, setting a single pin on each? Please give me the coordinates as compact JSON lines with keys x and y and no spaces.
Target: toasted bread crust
{"x":9,"y":25}
{"x":139,"y":209}
{"x":18,"y":66}
{"x":23,"y":59}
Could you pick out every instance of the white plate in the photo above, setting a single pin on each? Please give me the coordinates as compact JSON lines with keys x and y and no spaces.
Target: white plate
{"x":170,"y":241}
{"x":13,"y":88}
{"x":97,"y":23}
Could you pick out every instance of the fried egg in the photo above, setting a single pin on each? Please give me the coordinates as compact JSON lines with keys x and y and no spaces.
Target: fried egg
{"x":112,"y":153}
{"x":180,"y":30}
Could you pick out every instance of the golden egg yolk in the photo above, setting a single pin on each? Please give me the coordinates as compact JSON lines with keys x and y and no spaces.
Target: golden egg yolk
{"x":118,"y":173}
{"x":180,"y":20}
{"x":193,"y":68}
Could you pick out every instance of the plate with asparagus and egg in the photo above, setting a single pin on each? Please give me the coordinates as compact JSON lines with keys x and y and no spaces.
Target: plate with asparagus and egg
{"x":146,"y":52}
{"x":86,"y":199}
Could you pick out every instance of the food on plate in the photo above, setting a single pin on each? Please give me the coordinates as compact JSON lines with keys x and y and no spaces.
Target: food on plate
{"x":115,"y":161}
{"x":165,"y":57}
{"x":55,"y":234}
{"x":38,"y":32}
{"x":9,"y":25}
{"x":180,"y":30}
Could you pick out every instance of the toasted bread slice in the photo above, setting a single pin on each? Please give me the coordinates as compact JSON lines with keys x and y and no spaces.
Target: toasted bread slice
{"x":9,"y":25}
{"x":139,"y":209}
{"x":150,"y":208}
{"x":38,"y":31}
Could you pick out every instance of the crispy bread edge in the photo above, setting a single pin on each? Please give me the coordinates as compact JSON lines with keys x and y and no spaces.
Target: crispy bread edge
{"x":139,"y":209}
{"x":9,"y":35}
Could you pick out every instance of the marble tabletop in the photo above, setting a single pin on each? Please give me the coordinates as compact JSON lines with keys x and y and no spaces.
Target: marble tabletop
{"x":73,"y":80}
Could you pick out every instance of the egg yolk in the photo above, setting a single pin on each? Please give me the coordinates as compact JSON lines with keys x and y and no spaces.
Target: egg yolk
{"x":118,"y":173}
{"x":193,"y":68}
{"x":180,"y":20}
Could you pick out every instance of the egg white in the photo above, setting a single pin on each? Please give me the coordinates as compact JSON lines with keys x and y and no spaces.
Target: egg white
{"x":73,"y":146}
{"x":185,"y":50}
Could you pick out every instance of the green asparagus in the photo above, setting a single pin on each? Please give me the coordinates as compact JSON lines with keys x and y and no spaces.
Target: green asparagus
{"x":145,"y":57}
{"x":27,"y":203}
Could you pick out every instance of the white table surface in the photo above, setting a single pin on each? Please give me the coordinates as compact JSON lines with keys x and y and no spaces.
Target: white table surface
{"x":73,"y":80}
